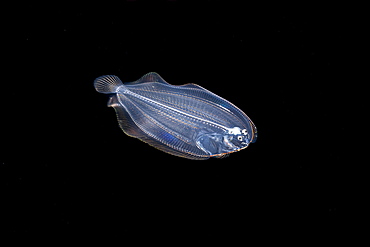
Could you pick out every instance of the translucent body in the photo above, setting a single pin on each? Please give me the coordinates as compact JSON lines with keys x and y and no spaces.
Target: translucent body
{"x":187,"y":121}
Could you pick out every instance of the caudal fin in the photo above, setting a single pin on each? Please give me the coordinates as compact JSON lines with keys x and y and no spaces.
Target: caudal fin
{"x":107,"y":84}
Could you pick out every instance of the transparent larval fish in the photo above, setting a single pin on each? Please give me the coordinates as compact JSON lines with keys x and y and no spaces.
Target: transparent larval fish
{"x":187,"y":121}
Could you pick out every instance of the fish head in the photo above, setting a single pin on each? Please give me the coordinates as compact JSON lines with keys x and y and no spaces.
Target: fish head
{"x":221,"y":143}
{"x":233,"y":142}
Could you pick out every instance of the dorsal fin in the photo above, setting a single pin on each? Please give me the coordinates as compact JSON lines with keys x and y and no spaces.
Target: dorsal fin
{"x":150,"y":77}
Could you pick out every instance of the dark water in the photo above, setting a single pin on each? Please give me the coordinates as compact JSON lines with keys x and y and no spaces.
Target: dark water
{"x":67,"y":168}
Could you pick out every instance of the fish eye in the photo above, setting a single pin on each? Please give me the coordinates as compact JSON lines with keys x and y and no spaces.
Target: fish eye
{"x":240,"y":138}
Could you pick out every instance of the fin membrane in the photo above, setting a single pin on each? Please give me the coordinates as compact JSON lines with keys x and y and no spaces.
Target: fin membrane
{"x":150,"y":77}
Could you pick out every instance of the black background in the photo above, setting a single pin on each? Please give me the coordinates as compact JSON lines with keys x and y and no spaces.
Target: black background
{"x":68,"y":169}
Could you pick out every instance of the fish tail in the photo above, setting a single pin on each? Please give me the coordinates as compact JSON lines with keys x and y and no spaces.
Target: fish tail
{"x":107,"y":84}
